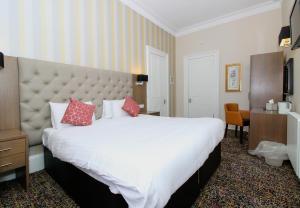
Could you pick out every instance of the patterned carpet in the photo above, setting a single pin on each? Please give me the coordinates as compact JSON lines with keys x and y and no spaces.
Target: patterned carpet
{"x":241,"y":181}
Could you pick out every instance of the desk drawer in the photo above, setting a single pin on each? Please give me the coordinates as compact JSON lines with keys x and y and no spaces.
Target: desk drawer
{"x":12,"y":147}
{"x":12,"y":162}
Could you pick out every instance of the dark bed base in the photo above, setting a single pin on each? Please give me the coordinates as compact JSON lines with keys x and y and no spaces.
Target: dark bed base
{"x":88,"y":192}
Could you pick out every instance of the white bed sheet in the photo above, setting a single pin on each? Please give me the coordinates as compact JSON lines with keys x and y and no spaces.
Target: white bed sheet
{"x":146,"y":159}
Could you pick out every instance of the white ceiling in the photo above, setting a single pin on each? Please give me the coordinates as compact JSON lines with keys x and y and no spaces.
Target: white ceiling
{"x":181,"y":15}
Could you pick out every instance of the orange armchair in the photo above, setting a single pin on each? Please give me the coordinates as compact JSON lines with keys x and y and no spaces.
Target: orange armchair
{"x":239,"y":118}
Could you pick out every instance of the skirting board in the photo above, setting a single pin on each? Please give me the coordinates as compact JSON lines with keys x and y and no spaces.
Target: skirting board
{"x":36,"y":163}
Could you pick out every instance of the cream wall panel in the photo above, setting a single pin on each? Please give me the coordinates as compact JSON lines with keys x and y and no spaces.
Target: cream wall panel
{"x":236,"y":42}
{"x":104,"y":34}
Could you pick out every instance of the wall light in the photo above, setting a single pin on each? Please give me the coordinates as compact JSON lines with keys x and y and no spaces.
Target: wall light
{"x":141,"y":78}
{"x":1,"y":60}
{"x":285,"y":37}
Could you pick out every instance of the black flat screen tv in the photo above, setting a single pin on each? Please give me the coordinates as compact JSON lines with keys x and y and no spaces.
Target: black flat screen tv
{"x":295,"y":25}
{"x":288,"y":78}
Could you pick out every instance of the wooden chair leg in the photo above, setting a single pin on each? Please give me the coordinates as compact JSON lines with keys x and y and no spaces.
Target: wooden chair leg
{"x":241,"y":134}
{"x":226,"y":129}
{"x":236,"y":129}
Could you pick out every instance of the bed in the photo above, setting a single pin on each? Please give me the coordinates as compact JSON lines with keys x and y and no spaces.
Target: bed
{"x":137,"y":162}
{"x":145,"y":159}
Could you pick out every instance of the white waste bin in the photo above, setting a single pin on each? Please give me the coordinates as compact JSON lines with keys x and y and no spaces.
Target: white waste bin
{"x":273,"y":152}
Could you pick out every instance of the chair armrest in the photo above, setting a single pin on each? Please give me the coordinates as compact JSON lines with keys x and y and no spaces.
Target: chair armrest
{"x":234,"y":118}
{"x":245,"y":114}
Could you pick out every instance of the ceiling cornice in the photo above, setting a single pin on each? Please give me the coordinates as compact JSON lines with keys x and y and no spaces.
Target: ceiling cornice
{"x":159,"y":21}
{"x":250,"y":11}
{"x":156,"y":19}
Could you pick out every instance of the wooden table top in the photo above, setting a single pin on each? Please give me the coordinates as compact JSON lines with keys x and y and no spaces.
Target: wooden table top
{"x":11,"y":134}
{"x":260,"y":111}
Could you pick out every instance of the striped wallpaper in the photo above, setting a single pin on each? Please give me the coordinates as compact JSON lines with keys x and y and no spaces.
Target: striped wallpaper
{"x":104,"y":34}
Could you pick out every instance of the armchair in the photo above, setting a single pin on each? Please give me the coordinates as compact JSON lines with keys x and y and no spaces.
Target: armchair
{"x":239,"y":118}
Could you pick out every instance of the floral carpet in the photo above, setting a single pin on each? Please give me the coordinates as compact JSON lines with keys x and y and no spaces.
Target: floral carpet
{"x":240,"y":181}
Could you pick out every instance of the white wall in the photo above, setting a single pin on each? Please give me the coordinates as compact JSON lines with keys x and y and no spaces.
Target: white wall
{"x":287,"y":6}
{"x":236,"y":41}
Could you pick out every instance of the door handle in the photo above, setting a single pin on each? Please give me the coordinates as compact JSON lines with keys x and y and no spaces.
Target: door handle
{"x":165,"y":101}
{"x":190,"y":100}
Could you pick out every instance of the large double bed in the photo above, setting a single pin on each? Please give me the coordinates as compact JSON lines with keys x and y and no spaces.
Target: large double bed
{"x":144,"y":161}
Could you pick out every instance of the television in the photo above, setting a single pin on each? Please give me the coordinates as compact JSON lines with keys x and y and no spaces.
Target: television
{"x":288,"y":78}
{"x":295,"y":25}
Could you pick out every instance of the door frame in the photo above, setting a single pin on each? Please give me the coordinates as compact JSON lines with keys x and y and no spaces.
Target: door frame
{"x":150,"y":49}
{"x":214,"y":53}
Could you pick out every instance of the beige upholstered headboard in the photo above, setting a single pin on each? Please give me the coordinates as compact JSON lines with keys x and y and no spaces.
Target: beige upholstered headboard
{"x":41,"y":82}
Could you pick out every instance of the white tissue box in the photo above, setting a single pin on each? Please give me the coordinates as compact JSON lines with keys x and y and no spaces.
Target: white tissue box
{"x":271,"y":107}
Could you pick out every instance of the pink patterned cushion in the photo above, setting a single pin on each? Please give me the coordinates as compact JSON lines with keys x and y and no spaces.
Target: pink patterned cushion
{"x":131,"y":107}
{"x":78,"y":113}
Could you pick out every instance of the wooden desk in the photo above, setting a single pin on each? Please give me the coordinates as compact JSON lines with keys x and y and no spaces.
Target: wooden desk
{"x":267,"y":125}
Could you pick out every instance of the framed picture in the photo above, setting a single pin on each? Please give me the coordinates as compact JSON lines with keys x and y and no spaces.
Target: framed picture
{"x":233,"y":78}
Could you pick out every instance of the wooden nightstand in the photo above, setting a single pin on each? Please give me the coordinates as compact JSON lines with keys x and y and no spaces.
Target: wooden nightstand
{"x":153,"y":113}
{"x":14,"y":154}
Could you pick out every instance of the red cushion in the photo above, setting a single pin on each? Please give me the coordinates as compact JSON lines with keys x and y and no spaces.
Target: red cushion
{"x":78,"y":113}
{"x":131,"y":107}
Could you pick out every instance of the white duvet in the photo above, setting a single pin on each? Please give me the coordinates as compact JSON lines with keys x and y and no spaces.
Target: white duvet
{"x":146,"y":159}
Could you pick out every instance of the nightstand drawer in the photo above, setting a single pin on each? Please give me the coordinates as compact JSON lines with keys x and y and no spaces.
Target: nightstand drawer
{"x":12,"y":147}
{"x":12,"y":162}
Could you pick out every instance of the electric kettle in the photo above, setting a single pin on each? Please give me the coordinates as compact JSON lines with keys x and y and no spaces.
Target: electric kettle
{"x":284,"y":107}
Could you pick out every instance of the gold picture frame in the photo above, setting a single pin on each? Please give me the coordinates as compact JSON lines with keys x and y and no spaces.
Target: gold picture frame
{"x":233,"y":78}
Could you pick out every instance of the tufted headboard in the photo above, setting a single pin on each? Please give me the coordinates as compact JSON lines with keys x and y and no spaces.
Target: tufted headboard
{"x":41,"y":82}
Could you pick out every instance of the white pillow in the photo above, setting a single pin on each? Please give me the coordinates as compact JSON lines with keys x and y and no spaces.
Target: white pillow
{"x":113,"y":109}
{"x":117,"y":111}
{"x":107,"y":109}
{"x":57,"y":112}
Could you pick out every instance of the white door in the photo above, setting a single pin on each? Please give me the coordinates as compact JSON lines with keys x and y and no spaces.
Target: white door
{"x":202,"y":85}
{"x":158,"y":81}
